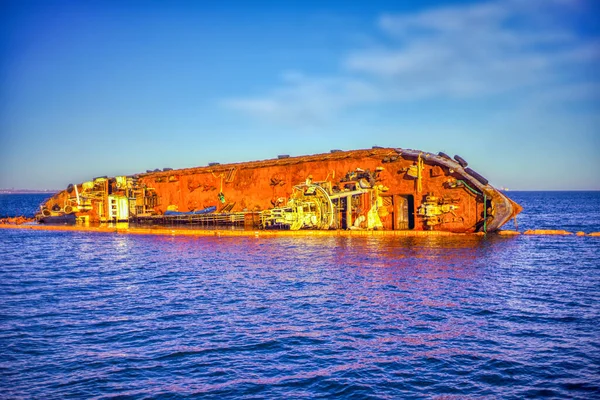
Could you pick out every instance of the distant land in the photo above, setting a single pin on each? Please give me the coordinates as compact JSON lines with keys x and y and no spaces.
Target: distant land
{"x":26,"y":191}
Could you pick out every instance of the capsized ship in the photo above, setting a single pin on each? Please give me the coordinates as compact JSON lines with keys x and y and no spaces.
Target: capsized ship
{"x":370,"y":189}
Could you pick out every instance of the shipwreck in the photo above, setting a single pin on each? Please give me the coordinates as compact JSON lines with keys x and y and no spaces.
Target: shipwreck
{"x":369,"y":189}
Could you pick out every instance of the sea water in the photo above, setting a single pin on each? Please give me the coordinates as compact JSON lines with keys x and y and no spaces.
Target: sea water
{"x":98,"y":315}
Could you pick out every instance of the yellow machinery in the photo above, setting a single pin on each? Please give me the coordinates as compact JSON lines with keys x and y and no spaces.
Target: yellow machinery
{"x":310,"y":207}
{"x":434,"y":209}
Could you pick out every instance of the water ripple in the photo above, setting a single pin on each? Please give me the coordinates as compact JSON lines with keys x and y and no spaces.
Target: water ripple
{"x":90,"y":315}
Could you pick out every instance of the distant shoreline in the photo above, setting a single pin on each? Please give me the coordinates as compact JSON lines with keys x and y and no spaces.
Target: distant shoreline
{"x":27,"y":191}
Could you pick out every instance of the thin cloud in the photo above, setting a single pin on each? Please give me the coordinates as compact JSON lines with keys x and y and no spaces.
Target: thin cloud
{"x":306,"y":100}
{"x":467,"y":51}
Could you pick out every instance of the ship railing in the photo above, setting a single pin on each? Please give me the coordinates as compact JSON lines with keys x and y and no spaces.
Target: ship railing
{"x":203,"y":220}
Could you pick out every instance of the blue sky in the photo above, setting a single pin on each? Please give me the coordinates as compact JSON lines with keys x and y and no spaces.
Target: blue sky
{"x":90,"y":88}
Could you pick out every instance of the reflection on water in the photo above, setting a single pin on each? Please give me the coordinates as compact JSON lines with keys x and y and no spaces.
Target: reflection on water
{"x":87,"y":312}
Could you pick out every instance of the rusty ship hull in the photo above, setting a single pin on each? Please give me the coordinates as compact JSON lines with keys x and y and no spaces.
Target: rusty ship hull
{"x":370,"y":189}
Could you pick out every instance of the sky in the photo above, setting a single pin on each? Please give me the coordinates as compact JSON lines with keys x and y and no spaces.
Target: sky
{"x":92,"y":88}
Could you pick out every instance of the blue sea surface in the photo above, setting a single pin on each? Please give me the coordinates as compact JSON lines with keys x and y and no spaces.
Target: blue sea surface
{"x":16,"y":204}
{"x":99,"y":315}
